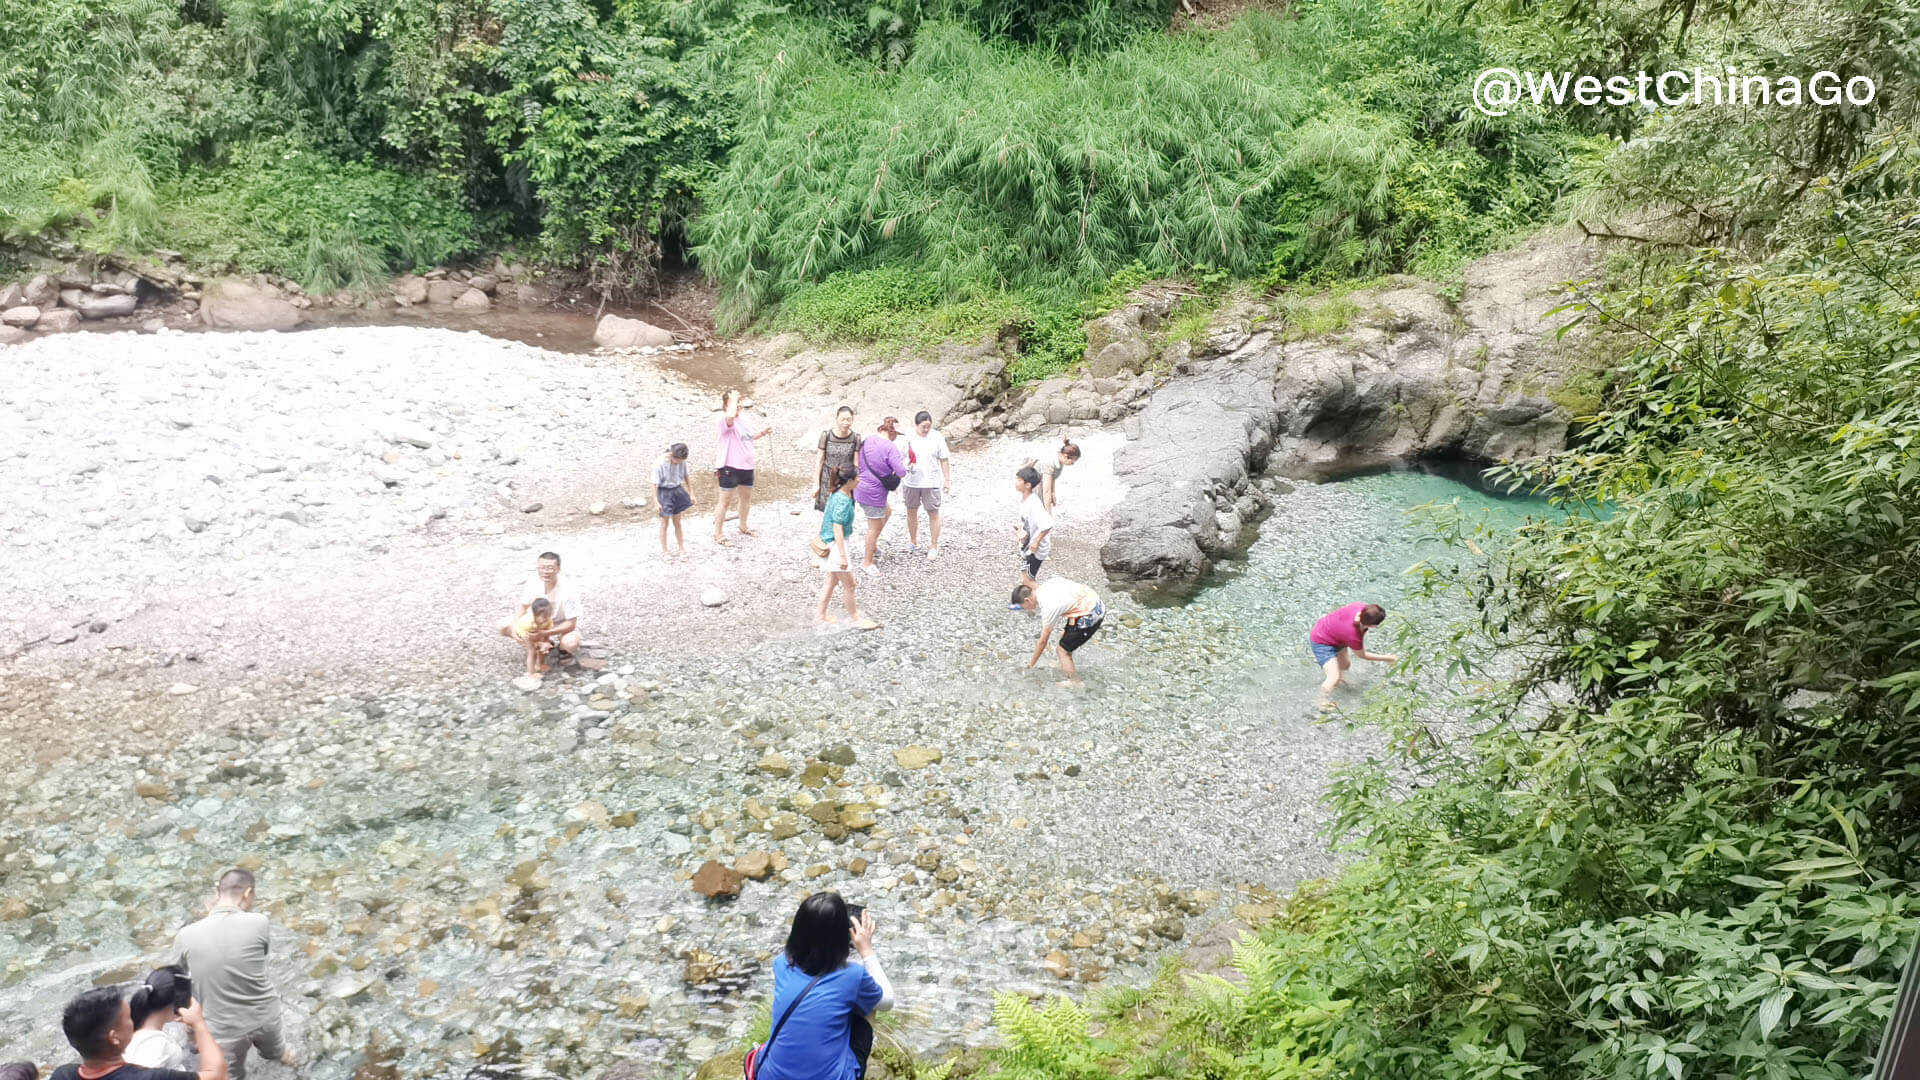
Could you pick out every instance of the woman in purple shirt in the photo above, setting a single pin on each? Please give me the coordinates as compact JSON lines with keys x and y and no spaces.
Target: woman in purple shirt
{"x":881,"y":469}
{"x":1339,"y":632}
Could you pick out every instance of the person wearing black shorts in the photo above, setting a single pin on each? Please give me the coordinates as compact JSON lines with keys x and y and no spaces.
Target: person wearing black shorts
{"x":1074,"y":605}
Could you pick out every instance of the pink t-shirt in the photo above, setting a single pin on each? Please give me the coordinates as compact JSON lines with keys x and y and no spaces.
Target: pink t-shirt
{"x":1340,"y":628}
{"x":736,"y":444}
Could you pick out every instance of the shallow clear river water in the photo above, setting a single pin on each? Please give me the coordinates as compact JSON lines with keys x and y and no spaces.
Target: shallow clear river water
{"x":459,"y":879}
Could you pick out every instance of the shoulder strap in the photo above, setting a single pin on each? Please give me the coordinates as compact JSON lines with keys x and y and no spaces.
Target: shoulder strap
{"x":783,"y":1016}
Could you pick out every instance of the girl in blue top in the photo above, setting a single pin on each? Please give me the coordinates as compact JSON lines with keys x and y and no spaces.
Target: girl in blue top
{"x":813,"y":1042}
{"x":836,"y":524}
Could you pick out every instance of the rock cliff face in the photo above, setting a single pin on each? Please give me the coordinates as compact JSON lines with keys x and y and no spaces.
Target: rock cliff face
{"x":1411,"y":375}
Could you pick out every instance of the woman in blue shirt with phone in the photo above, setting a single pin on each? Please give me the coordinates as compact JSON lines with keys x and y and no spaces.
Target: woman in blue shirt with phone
{"x":827,"y":977}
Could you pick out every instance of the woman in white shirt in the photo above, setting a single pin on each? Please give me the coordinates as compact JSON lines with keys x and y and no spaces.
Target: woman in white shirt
{"x":155,"y":1004}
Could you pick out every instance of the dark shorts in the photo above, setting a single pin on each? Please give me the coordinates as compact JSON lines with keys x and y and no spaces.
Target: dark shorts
{"x":733,"y":478}
{"x":1323,"y":653}
{"x":1079,"y":630}
{"x":1032,"y":563}
{"x":674,"y":500}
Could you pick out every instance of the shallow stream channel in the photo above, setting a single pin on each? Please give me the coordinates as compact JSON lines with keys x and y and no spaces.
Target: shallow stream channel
{"x":467,"y":876}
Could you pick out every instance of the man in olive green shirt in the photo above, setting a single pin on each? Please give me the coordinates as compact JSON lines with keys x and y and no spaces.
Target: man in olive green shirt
{"x":226,"y":956}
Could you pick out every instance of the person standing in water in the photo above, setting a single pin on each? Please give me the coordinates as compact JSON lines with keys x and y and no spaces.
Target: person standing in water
{"x":1340,"y":632}
{"x":1062,"y":601}
{"x":733,"y":468}
{"x":838,"y":445}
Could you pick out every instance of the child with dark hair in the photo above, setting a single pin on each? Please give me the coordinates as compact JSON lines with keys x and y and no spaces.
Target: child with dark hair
{"x":1036,"y":525}
{"x":530,"y":630}
{"x":19,"y":1070}
{"x":819,"y":989}
{"x":1050,"y":476}
{"x":153,"y":1005}
{"x":670,"y":492}
{"x":1343,"y":631}
{"x":99,"y":1024}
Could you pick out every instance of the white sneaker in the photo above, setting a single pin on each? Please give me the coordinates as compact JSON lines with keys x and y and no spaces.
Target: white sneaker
{"x":913,"y":548}
{"x":933,"y":553}
{"x":873,"y":570}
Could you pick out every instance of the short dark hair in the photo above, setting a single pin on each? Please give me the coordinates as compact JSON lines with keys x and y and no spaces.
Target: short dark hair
{"x":848,"y":409}
{"x":1029,"y":476}
{"x":88,"y":1018}
{"x":1021,"y":592}
{"x":677,"y":450}
{"x":540,"y":606}
{"x":841,"y":476}
{"x":234,"y":882}
{"x":19,"y":1070}
{"x":554,"y":555}
{"x":1373,"y":614}
{"x":922,"y":415}
{"x":822,"y":934}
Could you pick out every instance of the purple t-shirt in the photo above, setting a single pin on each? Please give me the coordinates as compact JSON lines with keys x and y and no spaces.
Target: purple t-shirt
{"x":879,"y":456}
{"x":1340,"y":628}
{"x":736,"y":444}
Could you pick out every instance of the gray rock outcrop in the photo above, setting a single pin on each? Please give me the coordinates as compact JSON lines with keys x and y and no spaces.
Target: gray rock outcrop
{"x":1412,"y":375}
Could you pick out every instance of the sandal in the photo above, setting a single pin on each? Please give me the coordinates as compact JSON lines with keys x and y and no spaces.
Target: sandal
{"x":865,"y":623}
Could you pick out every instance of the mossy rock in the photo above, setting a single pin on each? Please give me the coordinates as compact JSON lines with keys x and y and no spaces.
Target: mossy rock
{"x":725,"y":1066}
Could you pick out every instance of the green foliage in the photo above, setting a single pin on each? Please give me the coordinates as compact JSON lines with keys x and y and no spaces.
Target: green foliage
{"x":283,"y":208}
{"x":1003,"y":169}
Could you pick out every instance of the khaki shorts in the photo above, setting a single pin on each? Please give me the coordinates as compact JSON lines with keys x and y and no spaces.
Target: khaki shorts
{"x":927,"y":499}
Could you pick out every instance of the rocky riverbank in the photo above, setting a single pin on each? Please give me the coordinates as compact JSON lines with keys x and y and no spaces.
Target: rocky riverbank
{"x":1411,"y":375}
{"x":257,"y":631}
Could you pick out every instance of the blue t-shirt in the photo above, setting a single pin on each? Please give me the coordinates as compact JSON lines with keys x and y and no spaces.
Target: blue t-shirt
{"x":813,"y":1045}
{"x":840,"y":509}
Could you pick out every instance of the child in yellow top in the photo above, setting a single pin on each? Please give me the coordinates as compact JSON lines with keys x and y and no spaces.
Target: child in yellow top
{"x":530,"y":630}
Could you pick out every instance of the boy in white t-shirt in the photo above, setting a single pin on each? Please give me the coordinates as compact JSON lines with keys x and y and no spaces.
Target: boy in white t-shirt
{"x":1036,"y":525}
{"x":1070,"y":603}
{"x":929,"y":475}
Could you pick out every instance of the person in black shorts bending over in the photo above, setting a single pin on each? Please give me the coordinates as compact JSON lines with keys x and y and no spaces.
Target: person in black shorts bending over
{"x":99,"y":1024}
{"x":1057,"y":600}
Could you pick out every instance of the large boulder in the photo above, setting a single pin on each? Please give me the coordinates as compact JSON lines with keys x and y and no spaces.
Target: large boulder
{"x":442,"y":293}
{"x":238,"y":305}
{"x":93,"y":305}
{"x":42,"y":292}
{"x":471,"y":301}
{"x":57,"y":321}
{"x":23,"y":316}
{"x":11,"y":335}
{"x":618,"y":332}
{"x":409,"y":289}
{"x":1412,"y":375}
{"x":12,"y":296}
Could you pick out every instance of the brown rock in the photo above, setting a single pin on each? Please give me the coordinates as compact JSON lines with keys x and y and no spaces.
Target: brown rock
{"x":824,"y":812}
{"x":12,"y":296}
{"x":857,"y":867}
{"x":41,"y":292}
{"x":857,"y":816}
{"x":147,"y":789}
{"x":715,"y":881}
{"x":756,"y":865}
{"x":615,"y":332}
{"x":1059,"y":963}
{"x":630,"y":1006}
{"x":410,"y":289}
{"x":442,"y":293}
{"x":58,"y":321}
{"x":784,"y":827}
{"x":11,"y":335}
{"x":237,"y":305}
{"x":774,"y":765}
{"x":472,"y":300}
{"x":916,"y":757}
{"x":819,"y":870}
{"x":22,"y":316}
{"x":486,"y":283}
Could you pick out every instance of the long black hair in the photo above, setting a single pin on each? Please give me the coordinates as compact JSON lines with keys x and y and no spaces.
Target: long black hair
{"x":822,"y":934}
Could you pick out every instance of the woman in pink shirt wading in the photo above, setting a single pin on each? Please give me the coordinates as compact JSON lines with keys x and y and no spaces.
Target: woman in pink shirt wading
{"x":734,"y":466}
{"x":1339,"y":632}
